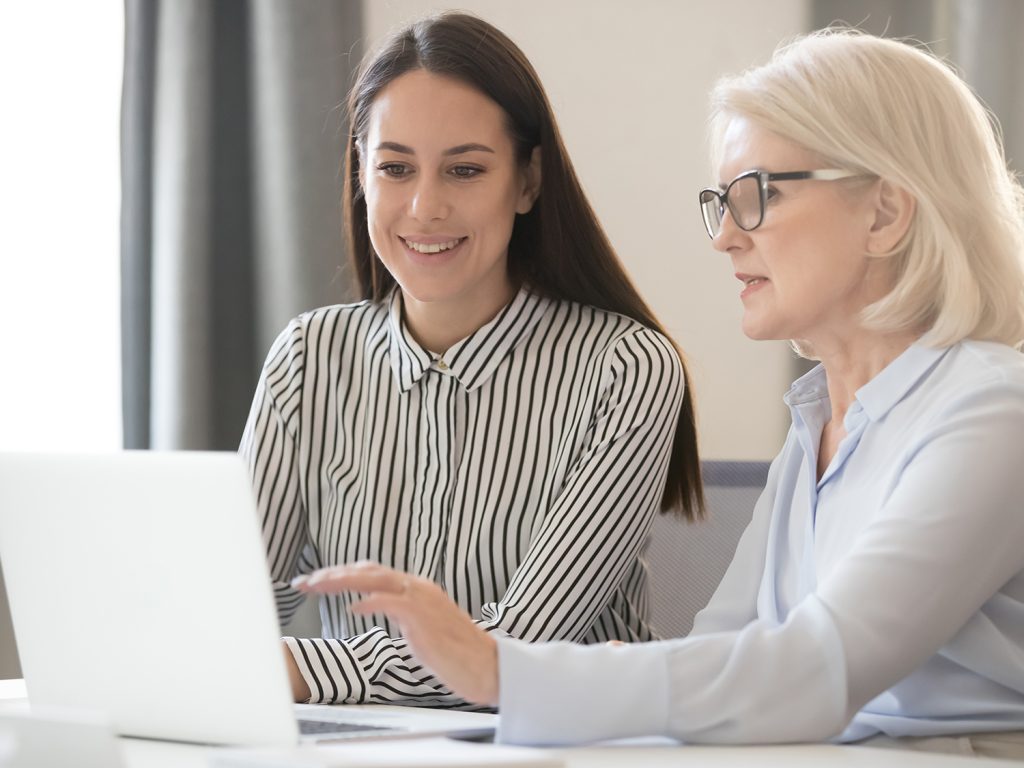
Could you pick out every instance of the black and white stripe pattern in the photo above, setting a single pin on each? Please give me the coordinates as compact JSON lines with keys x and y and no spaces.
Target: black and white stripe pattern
{"x":521,"y":471}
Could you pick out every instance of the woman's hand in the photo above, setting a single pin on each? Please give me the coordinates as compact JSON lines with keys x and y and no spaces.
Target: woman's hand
{"x":440,"y":633}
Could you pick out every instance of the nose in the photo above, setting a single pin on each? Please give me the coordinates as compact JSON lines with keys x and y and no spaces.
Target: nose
{"x":730,"y":237}
{"x":429,"y":201}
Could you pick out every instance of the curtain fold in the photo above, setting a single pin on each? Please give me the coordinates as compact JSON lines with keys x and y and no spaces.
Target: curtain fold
{"x":136,"y":218}
{"x":985,"y":44}
{"x":232,"y":141}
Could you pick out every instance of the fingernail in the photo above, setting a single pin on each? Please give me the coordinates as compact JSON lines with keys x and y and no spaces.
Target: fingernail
{"x":299,"y":581}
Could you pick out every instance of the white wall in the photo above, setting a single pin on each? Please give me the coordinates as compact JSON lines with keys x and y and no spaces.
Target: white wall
{"x":60,"y":195}
{"x":629,"y":84}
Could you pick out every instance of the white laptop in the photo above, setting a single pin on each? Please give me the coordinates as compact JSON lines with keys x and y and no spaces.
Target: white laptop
{"x":139,"y":589}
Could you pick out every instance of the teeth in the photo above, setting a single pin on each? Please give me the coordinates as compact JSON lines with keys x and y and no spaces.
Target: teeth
{"x":431,"y":247}
{"x":754,"y":280}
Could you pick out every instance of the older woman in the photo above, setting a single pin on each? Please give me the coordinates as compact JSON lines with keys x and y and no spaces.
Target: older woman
{"x":865,"y":205}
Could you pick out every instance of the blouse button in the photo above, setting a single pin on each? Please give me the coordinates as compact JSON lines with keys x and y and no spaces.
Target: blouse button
{"x":442,"y":365}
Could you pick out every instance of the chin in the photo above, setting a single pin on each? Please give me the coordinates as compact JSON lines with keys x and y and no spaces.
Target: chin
{"x":756,"y":332}
{"x":761,"y":325}
{"x":426,"y":290}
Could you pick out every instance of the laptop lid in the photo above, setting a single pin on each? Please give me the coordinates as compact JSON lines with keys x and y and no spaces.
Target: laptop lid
{"x":139,"y":589}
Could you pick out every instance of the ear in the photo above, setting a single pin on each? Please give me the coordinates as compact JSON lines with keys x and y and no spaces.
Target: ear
{"x":894,"y":209}
{"x":531,"y":183}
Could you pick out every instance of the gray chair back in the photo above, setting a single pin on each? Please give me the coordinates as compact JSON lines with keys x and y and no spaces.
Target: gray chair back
{"x":686,"y":561}
{"x":9,"y":666}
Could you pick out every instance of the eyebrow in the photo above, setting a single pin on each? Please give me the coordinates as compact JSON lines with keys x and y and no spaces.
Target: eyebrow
{"x":461,"y":149}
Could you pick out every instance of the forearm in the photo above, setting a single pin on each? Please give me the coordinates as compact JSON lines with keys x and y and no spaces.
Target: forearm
{"x":762,"y":684}
{"x":561,"y":693}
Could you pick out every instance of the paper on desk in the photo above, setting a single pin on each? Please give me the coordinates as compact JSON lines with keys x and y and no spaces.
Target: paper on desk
{"x":399,"y":753}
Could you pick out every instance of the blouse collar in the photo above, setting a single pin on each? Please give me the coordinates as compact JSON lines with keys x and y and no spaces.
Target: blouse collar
{"x":472,"y":360}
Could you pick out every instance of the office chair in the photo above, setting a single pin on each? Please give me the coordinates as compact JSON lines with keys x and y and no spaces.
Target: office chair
{"x":9,"y":666}
{"x":686,"y":561}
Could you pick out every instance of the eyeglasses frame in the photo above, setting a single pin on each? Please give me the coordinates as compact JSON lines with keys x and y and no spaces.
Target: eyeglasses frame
{"x":764,"y":178}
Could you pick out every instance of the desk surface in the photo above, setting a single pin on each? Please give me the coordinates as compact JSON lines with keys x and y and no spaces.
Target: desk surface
{"x":141,"y":753}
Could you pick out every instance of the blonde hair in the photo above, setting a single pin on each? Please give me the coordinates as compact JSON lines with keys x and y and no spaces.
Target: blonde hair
{"x":890,"y":109}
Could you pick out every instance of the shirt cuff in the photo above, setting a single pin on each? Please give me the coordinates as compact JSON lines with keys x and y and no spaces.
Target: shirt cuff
{"x":329,"y":669}
{"x":563,"y":693}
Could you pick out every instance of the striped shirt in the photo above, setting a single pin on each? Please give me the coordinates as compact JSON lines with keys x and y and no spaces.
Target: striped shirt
{"x":521,"y":471}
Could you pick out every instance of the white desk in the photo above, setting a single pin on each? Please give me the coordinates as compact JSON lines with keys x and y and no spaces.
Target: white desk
{"x":140,"y":753}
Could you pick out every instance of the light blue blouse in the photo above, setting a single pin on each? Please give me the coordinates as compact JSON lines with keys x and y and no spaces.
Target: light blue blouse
{"x":888,"y":597}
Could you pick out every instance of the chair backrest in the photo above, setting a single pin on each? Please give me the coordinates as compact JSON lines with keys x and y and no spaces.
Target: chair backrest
{"x":9,"y":666}
{"x":686,"y":561}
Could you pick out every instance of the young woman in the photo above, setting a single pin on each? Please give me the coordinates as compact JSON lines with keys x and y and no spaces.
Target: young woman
{"x":502,"y":415}
{"x":865,"y":205}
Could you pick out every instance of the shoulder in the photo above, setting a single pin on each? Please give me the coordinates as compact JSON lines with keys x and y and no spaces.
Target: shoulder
{"x":976,"y":386}
{"x":339,"y":315}
{"x":988,"y":360}
{"x":609,"y":331}
{"x":288,"y":353}
{"x":620,"y":353}
{"x":981,"y":368}
{"x":336,"y":317}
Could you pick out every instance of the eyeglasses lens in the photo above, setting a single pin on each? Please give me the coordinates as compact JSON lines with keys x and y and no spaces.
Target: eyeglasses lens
{"x":711,"y":210}
{"x":744,"y":196}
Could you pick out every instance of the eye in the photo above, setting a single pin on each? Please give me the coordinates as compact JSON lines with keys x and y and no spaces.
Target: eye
{"x":465,"y":171}
{"x":394,"y":170}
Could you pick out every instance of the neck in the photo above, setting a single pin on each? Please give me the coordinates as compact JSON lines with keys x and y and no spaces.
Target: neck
{"x":437,"y":325}
{"x":852,"y":362}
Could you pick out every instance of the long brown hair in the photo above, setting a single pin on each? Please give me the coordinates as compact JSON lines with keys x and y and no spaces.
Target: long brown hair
{"x":558,"y":249}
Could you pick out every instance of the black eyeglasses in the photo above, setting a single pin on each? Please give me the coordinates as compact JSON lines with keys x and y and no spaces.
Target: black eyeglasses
{"x":747,"y":195}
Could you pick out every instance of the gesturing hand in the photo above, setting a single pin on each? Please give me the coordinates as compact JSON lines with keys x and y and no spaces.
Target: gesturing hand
{"x":442,"y":635}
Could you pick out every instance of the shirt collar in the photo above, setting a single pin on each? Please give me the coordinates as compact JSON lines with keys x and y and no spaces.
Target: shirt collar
{"x":883,"y":392}
{"x":808,"y":388}
{"x":894,"y":381}
{"x":473,"y":359}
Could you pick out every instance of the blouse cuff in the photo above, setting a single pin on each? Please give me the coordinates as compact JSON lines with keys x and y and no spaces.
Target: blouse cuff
{"x":563,"y":693}
{"x":328,"y":669}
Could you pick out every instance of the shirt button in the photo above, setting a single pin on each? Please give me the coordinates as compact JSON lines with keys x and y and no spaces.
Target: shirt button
{"x":441,"y":364}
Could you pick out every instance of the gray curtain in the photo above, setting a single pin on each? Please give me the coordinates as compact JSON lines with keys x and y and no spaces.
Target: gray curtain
{"x":985,"y":37}
{"x":233,"y":136}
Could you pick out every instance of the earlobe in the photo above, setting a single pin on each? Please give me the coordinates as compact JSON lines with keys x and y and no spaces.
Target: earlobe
{"x":531,"y":183}
{"x":893,"y":213}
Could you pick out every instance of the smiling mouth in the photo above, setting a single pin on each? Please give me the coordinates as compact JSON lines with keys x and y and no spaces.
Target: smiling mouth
{"x":432,"y":247}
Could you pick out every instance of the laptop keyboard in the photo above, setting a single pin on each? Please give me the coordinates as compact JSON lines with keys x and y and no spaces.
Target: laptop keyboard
{"x":315,"y":727}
